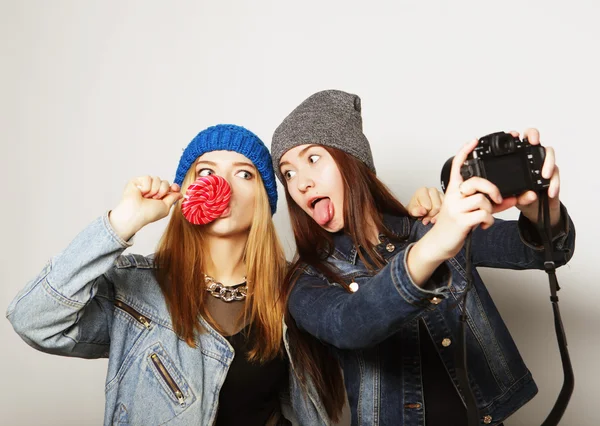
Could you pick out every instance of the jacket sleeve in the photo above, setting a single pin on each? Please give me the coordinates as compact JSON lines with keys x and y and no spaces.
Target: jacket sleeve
{"x":517,"y":244}
{"x":379,"y":308}
{"x":67,"y":309}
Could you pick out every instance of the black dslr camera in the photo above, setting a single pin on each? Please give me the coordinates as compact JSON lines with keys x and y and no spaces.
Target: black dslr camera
{"x":514,"y":166}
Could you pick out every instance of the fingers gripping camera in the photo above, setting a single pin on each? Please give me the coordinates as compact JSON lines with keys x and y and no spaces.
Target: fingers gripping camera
{"x":513,"y":165}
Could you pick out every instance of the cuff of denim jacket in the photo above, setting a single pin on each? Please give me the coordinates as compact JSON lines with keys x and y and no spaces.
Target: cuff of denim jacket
{"x":431,"y":293}
{"x":111,"y":231}
{"x":530,"y":235}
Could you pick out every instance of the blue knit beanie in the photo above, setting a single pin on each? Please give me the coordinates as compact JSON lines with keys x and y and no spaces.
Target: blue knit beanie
{"x":229,"y":137}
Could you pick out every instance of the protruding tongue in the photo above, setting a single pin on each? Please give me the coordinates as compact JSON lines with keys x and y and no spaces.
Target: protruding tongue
{"x":323,"y":211}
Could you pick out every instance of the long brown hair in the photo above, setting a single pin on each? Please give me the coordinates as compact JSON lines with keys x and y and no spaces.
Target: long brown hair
{"x":180,"y":265}
{"x":366,"y":198}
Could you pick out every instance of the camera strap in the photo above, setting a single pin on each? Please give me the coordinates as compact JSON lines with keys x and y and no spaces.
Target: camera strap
{"x":569,"y":378}
{"x":461,"y":355}
{"x":566,"y":391}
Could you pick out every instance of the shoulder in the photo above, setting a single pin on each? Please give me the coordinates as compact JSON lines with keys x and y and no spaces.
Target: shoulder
{"x":135,"y":283}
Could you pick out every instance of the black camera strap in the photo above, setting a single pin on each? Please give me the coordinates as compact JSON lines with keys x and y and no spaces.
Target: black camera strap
{"x":461,"y":365}
{"x":569,"y":378}
{"x":461,"y":355}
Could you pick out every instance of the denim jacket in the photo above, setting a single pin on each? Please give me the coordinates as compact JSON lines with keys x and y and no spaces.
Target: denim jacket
{"x":91,"y":301}
{"x":374,"y":331}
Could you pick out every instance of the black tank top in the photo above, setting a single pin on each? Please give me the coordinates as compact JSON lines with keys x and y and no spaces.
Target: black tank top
{"x":250,"y":393}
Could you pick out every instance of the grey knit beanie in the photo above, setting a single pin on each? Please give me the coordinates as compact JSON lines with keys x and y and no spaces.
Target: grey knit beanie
{"x":331,"y":118}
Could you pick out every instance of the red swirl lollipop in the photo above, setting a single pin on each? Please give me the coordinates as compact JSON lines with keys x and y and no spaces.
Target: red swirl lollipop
{"x":206,"y":199}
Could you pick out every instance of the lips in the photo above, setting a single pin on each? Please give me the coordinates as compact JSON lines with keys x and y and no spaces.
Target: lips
{"x":312,"y":201}
{"x":226,"y":212}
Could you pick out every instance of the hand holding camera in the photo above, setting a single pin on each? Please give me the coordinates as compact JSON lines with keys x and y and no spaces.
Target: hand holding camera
{"x":488,"y":176}
{"x":518,"y":169}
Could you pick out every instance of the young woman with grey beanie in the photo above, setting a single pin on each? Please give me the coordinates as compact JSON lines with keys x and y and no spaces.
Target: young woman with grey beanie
{"x":373,"y":291}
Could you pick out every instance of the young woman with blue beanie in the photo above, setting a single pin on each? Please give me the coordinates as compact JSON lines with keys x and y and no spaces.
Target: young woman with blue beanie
{"x":178,"y":353}
{"x":381,"y":291}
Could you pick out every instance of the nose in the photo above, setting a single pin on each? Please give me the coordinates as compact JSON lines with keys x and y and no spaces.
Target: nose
{"x":305,"y":182}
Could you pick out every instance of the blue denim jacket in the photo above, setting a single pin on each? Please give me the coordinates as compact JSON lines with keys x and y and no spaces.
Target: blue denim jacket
{"x":91,"y":301}
{"x":375,"y":331}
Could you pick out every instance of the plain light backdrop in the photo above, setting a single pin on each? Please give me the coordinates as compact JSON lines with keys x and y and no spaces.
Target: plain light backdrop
{"x":94,"y":93}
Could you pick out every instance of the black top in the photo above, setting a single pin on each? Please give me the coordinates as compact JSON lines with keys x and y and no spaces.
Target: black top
{"x":250,"y":394}
{"x":443,"y":405}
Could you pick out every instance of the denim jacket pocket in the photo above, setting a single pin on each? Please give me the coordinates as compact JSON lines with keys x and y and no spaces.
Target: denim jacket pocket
{"x":152,"y":379}
{"x":168,"y":376}
{"x":129,"y":327}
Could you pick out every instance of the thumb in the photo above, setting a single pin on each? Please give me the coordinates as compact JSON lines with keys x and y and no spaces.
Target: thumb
{"x":417,"y":211}
{"x":527,"y":198}
{"x":171,"y":198}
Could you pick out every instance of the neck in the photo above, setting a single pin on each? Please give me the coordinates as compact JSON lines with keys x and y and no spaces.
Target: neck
{"x":372,"y":231}
{"x":226,"y":263}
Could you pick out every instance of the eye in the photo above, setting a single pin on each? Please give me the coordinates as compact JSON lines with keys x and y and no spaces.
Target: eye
{"x":288,"y":174}
{"x":244,"y":174}
{"x":314,"y":158}
{"x":205,"y":172}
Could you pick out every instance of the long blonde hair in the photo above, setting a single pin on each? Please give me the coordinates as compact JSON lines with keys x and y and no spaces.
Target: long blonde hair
{"x":180,"y":265}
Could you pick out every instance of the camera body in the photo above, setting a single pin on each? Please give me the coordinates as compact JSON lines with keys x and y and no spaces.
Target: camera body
{"x":513,"y":165}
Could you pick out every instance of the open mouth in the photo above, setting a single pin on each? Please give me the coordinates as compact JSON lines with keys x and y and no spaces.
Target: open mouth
{"x":312,"y":203}
{"x":322,"y":210}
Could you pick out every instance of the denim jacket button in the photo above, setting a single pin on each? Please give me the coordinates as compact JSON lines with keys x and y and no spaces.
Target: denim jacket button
{"x":353,"y":287}
{"x":390,"y":247}
{"x":446,"y":342}
{"x":435,"y":300}
{"x":413,"y":406}
{"x":487,"y":420}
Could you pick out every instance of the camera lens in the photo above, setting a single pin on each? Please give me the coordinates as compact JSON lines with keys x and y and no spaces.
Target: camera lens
{"x":503,"y":144}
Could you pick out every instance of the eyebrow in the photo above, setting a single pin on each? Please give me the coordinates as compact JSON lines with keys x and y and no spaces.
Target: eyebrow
{"x":244,"y":164}
{"x":236,"y":164}
{"x":302,"y":153}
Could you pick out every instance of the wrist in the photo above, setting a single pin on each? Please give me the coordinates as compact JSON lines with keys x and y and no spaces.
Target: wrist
{"x":555,"y":213}
{"x":422,"y":260}
{"x":123,"y":223}
{"x":433,"y":247}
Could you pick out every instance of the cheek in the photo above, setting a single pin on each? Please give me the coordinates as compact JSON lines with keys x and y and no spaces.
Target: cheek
{"x":335,"y":188}
{"x":333,"y":176}
{"x":242,"y":194}
{"x":295,"y":195}
{"x":248,"y":199}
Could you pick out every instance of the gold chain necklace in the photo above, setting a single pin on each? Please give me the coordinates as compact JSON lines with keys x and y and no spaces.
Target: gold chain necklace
{"x":226,"y":293}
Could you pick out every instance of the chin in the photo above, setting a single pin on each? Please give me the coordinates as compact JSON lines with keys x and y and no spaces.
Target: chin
{"x":333,"y":227}
{"x":224,"y":228}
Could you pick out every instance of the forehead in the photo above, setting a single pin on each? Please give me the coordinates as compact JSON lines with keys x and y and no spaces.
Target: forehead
{"x":295,"y":152}
{"x":223,"y":157}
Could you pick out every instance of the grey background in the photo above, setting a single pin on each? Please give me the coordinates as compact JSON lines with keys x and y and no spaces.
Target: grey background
{"x":95,"y":93}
